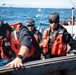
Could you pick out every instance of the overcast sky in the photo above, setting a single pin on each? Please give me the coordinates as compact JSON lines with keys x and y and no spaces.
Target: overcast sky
{"x":39,"y":3}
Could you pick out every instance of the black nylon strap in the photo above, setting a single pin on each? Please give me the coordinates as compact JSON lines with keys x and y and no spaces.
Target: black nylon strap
{"x":8,"y":50}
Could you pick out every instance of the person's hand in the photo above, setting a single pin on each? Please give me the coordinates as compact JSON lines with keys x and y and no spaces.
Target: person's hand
{"x":16,"y":63}
{"x":42,"y":57}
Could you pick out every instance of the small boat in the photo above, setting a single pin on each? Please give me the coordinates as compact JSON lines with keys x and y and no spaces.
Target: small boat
{"x":64,"y":65}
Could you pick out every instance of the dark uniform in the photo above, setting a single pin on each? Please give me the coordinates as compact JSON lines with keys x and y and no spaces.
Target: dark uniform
{"x":28,"y":40}
{"x":35,"y":31}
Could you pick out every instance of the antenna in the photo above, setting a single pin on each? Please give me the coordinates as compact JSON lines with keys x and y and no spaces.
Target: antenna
{"x":40,"y":20}
{"x":72,"y":16}
{"x":73,"y":4}
{"x":72,"y":20}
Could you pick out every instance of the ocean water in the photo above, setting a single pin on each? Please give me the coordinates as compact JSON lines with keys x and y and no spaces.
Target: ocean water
{"x":40,"y":15}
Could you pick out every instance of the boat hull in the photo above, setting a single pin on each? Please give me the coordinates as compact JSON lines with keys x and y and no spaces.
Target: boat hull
{"x":65,"y":65}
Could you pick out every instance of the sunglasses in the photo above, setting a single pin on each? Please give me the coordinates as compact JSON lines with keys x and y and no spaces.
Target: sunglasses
{"x":30,"y":25}
{"x":52,"y":22}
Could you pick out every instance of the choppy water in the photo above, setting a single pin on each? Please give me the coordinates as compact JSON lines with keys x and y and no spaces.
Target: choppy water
{"x":10,"y":14}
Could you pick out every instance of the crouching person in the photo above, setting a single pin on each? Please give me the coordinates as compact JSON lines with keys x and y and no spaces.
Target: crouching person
{"x":18,"y":45}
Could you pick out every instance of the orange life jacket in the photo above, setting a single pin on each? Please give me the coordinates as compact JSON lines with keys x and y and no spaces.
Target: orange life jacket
{"x":15,"y":45}
{"x":58,"y":46}
{"x":36,"y":37}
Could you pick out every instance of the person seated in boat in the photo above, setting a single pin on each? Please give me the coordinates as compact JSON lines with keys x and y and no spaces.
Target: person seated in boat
{"x":64,"y":23}
{"x":75,"y":22}
{"x":55,"y":38}
{"x":69,"y":21}
{"x":30,"y":23}
{"x":18,"y":45}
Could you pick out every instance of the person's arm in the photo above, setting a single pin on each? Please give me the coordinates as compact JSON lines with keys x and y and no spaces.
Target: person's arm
{"x":17,"y":62}
{"x":68,"y":39}
{"x":25,"y":42}
{"x":23,"y":51}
